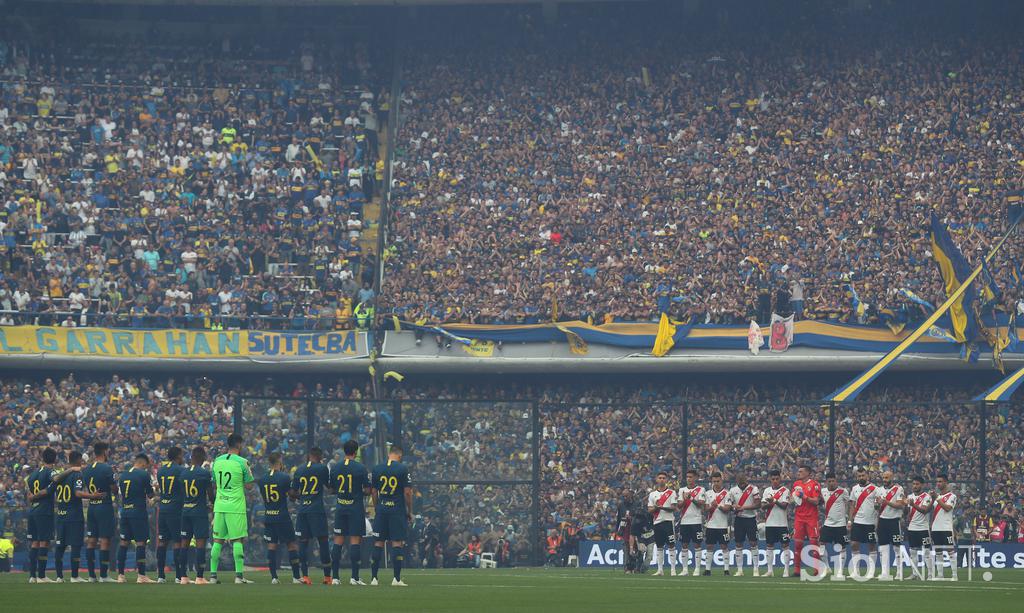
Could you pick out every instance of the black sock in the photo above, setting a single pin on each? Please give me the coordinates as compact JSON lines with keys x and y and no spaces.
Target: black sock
{"x":33,"y":561}
{"x":354,"y":556}
{"x":122,"y":559}
{"x":90,"y":561}
{"x":161,"y":560}
{"x":325,"y":557}
{"x":200,"y":561}
{"x":76,"y":560}
{"x":293,"y":559}
{"x":304,"y":558}
{"x":104,"y":562}
{"x":140,"y":558}
{"x":179,"y":566}
{"x":272,"y":562}
{"x":335,"y":560}
{"x":58,"y":561}
{"x":42,"y":557}
{"x":399,"y":555}
{"x":375,"y":561}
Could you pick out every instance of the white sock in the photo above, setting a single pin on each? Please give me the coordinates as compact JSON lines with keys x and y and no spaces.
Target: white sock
{"x":929,"y":561}
{"x":788,"y":559}
{"x":657,"y":556}
{"x":671,"y":555}
{"x":689,"y":559}
{"x":885,"y":558}
{"x":708,"y":554}
{"x":757,"y":560}
{"x":840,"y":560}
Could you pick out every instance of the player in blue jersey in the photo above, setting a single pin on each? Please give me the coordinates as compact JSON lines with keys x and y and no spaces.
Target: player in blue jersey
{"x":277,"y":523}
{"x":392,"y":499}
{"x":40,"y":516}
{"x":197,"y":483}
{"x":172,"y":497}
{"x":351,"y":482}
{"x":69,"y":491}
{"x":100,"y":519}
{"x":136,"y":488}
{"x":308,"y":484}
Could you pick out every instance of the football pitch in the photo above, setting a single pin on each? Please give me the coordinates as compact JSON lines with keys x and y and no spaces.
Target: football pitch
{"x":522,"y":589}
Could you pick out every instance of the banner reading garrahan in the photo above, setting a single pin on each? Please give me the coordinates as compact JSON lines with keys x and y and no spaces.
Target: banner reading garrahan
{"x":181,"y":344}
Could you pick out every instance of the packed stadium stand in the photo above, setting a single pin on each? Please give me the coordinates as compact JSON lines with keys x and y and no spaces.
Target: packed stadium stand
{"x":142,"y":178}
{"x":623,"y":167}
{"x":604,"y":167}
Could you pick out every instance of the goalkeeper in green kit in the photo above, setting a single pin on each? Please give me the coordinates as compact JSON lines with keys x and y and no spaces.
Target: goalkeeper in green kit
{"x":231,"y":477}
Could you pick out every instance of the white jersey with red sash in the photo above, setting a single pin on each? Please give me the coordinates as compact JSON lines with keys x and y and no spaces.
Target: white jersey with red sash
{"x":666,"y":498}
{"x":865,"y":509}
{"x":942,"y":520}
{"x":778,"y":517}
{"x":835,"y":506}
{"x":917,"y":520}
{"x":893,"y":493}
{"x":745,"y":496}
{"x":718,"y":518}
{"x":691,"y":513}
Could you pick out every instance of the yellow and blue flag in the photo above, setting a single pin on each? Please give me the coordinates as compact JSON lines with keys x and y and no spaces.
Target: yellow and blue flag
{"x":954,"y":269}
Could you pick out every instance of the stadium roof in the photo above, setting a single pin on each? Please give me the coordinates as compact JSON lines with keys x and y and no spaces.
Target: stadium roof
{"x":289,"y":3}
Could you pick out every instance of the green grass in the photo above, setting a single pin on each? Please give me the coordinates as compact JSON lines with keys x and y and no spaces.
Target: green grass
{"x":523,"y":589}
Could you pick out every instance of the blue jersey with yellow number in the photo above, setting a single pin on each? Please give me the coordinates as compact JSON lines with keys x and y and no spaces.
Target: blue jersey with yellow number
{"x":390,"y":479}
{"x":350,"y":479}
{"x":309,"y":482}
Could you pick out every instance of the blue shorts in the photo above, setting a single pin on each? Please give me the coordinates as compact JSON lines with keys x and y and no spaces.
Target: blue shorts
{"x":168,"y":526}
{"x":349,"y":522}
{"x":134,"y":529}
{"x":195,"y":526}
{"x":310,"y":525}
{"x":100,"y":522}
{"x":40,"y":528}
{"x":280,"y":531}
{"x":390,"y":526}
{"x":70,"y":533}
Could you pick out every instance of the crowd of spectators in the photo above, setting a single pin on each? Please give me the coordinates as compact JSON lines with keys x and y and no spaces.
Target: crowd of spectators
{"x":598,"y":440}
{"x":174,"y":183}
{"x":625,"y":166}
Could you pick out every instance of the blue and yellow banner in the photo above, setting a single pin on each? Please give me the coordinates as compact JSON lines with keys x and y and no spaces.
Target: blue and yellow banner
{"x":812,"y":334}
{"x":1002,"y":391}
{"x":955,"y":270}
{"x":180,"y":344}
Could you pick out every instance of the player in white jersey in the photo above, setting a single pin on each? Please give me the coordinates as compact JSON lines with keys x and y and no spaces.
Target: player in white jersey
{"x":691,"y":521}
{"x":661,"y":504}
{"x":943,"y":539}
{"x":863,"y":514}
{"x":891,"y":502}
{"x":744,"y":528}
{"x":919,"y":505}
{"x":834,"y":536}
{"x":775,"y":502}
{"x":718,"y":503}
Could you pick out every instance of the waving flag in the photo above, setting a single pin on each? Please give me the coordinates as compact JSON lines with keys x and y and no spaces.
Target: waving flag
{"x":755,"y":339}
{"x":665,"y":340}
{"x":955,"y":270}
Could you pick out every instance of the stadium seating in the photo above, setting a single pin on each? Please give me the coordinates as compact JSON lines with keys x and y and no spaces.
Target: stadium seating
{"x":140,"y":184}
{"x":621,"y":169}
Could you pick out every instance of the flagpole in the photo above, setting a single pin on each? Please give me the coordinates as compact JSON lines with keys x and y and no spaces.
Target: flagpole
{"x":850,"y":390}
